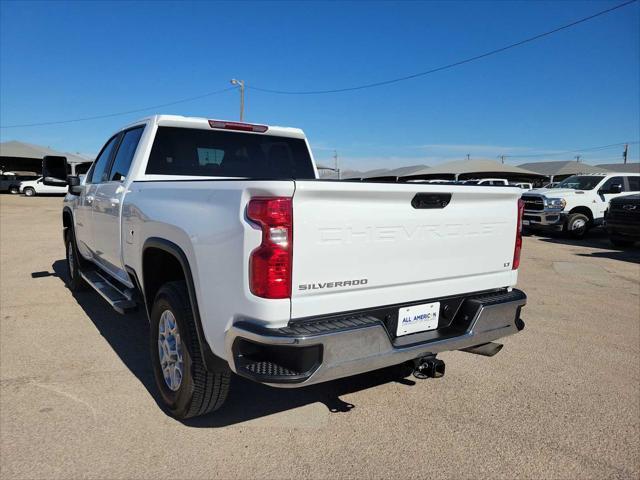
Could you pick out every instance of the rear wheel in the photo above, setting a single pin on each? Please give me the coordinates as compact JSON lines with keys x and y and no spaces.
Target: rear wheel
{"x":14,"y":189}
{"x":29,"y":192}
{"x":577,"y":225}
{"x":187,"y":389}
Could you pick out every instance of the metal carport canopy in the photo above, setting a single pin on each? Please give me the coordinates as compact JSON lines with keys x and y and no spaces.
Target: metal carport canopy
{"x":16,"y":149}
{"x":395,"y":173}
{"x":563,"y":168}
{"x":473,"y":169}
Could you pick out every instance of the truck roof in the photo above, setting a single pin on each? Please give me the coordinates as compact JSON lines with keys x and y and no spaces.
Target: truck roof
{"x":181,"y":121}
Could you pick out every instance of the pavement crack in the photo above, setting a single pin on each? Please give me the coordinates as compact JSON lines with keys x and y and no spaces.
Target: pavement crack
{"x":70,"y":396}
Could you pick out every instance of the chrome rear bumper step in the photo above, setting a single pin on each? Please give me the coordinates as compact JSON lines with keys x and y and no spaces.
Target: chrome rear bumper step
{"x":319,"y":351}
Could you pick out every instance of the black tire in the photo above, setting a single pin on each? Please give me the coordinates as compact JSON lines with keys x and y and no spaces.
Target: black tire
{"x":14,"y":189}
{"x":577,"y":225}
{"x":199,"y":391}
{"x":29,"y":192}
{"x":75,"y":282}
{"x":621,"y":242}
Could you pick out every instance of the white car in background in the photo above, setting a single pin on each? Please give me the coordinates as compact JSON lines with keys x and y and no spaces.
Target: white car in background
{"x":31,"y":188}
{"x":487,"y":181}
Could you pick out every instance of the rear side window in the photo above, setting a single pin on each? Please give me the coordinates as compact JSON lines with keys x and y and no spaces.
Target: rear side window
{"x":213,"y":153}
{"x":634,"y":184}
{"x":127,"y":149}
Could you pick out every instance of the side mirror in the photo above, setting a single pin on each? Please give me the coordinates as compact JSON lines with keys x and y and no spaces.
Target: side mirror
{"x":54,"y":171}
{"x":75,"y":184}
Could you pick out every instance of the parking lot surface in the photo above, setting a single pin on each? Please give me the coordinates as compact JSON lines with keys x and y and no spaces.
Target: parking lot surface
{"x":561,"y":400}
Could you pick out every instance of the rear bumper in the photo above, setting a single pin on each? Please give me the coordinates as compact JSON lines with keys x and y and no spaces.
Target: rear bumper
{"x":316,"y":351}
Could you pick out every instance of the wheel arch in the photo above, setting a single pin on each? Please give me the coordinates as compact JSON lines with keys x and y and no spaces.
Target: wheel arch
{"x":583,"y":210}
{"x":164,"y":261}
{"x":67,"y":221}
{"x":67,"y":217}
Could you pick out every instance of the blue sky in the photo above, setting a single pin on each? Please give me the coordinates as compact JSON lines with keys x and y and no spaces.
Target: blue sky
{"x":576,"y":89}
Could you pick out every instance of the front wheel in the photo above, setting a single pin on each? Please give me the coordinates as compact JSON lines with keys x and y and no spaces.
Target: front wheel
{"x":75,"y":283}
{"x":29,"y":192}
{"x":577,"y":225}
{"x":187,"y":389}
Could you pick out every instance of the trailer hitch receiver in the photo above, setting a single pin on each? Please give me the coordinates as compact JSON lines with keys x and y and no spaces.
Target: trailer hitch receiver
{"x":428,"y":367}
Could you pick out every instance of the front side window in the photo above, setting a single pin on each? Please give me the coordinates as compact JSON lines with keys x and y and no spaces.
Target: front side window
{"x":126,"y":151}
{"x":214,"y":153}
{"x":580,"y":182}
{"x":99,"y":168}
{"x":606,"y":186}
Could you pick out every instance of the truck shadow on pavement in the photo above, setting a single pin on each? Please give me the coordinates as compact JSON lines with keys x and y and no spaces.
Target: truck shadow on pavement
{"x":128,"y":336}
{"x":593,"y":239}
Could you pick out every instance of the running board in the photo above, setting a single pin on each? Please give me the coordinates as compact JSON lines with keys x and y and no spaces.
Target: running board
{"x":122,"y":301}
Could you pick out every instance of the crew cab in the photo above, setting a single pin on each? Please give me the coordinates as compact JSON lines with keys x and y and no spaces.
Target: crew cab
{"x":246,"y":263}
{"x":578,"y":203}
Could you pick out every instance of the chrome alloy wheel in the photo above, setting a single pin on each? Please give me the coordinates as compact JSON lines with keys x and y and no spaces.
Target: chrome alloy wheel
{"x":578,"y":224}
{"x":71,"y":259}
{"x":170,"y":350}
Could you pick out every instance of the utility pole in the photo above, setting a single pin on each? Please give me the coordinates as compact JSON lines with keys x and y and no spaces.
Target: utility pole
{"x":578,"y":157}
{"x":240,"y":83}
{"x":335,"y":163}
{"x":626,"y":152}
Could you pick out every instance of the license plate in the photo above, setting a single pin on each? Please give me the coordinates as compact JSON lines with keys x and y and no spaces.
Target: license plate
{"x":418,"y":318}
{"x":525,"y":222}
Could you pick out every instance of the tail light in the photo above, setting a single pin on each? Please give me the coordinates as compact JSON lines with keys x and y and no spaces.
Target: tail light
{"x":518,"y":247}
{"x":270,"y":263}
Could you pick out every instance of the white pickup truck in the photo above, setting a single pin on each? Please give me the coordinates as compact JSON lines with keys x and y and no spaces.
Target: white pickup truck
{"x":31,"y":188}
{"x":578,"y":203}
{"x":245,"y":262}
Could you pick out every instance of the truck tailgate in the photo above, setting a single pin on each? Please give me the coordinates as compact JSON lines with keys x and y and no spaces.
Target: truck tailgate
{"x":361,"y":245}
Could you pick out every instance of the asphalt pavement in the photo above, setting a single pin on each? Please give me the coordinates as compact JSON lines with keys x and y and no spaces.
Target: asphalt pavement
{"x":561,"y":400}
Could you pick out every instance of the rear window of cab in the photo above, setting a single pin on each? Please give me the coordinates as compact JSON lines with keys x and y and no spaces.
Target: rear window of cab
{"x":214,"y":153}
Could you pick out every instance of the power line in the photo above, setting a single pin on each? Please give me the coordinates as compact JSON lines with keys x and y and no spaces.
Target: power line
{"x":450,"y":65}
{"x":97,"y":117}
{"x":312,"y":92}
{"x":577,"y":150}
